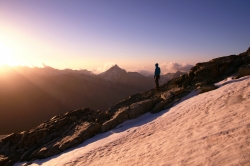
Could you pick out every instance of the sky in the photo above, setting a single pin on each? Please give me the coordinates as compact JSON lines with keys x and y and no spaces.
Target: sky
{"x":188,"y":133}
{"x":134,"y":34}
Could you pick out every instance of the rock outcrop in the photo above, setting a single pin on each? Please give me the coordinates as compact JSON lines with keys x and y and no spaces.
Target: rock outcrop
{"x":70,"y":129}
{"x":129,"y":112}
{"x":243,"y":71}
{"x":52,"y":136}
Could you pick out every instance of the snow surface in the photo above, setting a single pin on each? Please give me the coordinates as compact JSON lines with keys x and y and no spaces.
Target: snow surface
{"x":212,"y":128}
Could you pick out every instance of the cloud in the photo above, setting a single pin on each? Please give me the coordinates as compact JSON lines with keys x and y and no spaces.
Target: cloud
{"x":174,"y":66}
{"x":105,"y":67}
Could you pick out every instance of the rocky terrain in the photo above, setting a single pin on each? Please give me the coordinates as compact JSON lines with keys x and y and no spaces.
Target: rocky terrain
{"x":45,"y":92}
{"x":72,"y":128}
{"x":169,"y":76}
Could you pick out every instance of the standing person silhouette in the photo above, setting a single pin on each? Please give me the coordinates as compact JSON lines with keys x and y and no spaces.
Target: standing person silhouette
{"x":157,"y":75}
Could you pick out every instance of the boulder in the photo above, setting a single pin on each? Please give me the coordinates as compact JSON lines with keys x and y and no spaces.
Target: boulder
{"x":167,"y":98}
{"x":230,"y":70}
{"x":8,"y":137}
{"x":68,"y":130}
{"x":53,"y":136}
{"x":120,"y":116}
{"x":160,"y":106}
{"x":3,"y":160}
{"x":200,"y":84}
{"x":177,"y":91}
{"x":131,"y":112}
{"x":5,"y":149}
{"x":140,"y":108}
{"x":186,"y":84}
{"x":244,"y":71}
{"x":206,"y":88}
{"x":238,"y":62}
{"x":169,"y":105}
{"x":223,"y":68}
{"x":169,"y":95}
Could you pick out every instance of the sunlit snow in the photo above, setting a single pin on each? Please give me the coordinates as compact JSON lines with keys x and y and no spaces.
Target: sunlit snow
{"x":206,"y":129}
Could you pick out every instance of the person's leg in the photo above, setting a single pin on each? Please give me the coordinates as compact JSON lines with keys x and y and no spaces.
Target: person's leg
{"x":157,"y":82}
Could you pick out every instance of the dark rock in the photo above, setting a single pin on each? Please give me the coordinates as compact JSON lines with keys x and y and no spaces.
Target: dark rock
{"x":131,"y":112}
{"x":177,"y":91}
{"x":68,"y":130}
{"x":246,"y":59}
{"x":120,"y":116}
{"x":200,"y":84}
{"x":8,"y":137}
{"x":139,"y":108}
{"x":27,"y":153}
{"x":169,"y":96}
{"x":191,"y":74}
{"x":244,"y":71}
{"x":5,"y":149}
{"x":230,"y":70}
{"x":181,"y":79}
{"x":3,"y":160}
{"x":206,"y":88}
{"x":169,"y":105}
{"x":223,"y":68}
{"x":186,"y":83}
{"x":59,"y":133}
{"x":160,"y":106}
{"x":238,"y":62}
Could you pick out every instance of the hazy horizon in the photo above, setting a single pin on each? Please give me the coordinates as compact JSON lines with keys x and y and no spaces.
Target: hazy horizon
{"x":95,"y":35}
{"x":173,"y":68}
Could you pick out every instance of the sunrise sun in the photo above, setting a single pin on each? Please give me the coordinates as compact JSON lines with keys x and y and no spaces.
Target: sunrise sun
{"x":7,"y":56}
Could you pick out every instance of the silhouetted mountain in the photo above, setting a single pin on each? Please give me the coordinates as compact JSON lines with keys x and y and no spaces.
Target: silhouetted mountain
{"x":31,"y":95}
{"x":68,"y":130}
{"x":133,"y":79}
{"x":114,"y":74}
{"x":169,"y":76}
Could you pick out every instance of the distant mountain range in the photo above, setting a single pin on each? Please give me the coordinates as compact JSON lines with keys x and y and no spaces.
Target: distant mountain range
{"x":70,"y":129}
{"x":169,"y":76}
{"x":31,"y":95}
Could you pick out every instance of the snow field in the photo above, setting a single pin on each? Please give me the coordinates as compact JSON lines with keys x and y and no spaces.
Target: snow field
{"x":212,"y":128}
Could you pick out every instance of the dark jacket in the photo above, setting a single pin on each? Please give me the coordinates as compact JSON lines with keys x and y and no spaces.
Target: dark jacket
{"x":157,"y":71}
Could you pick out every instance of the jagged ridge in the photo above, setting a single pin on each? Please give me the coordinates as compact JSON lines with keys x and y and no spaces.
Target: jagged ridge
{"x":68,"y":130}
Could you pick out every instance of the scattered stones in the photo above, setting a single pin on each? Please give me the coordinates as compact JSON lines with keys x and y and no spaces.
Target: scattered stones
{"x":53,"y":136}
{"x":68,"y":130}
{"x":206,"y":88}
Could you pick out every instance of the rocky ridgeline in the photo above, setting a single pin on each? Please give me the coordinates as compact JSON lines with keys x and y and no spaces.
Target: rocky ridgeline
{"x":68,"y":130}
{"x":52,"y":136}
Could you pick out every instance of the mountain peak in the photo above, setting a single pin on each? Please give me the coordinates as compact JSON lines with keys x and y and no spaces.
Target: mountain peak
{"x":115,"y":68}
{"x":114,"y":73}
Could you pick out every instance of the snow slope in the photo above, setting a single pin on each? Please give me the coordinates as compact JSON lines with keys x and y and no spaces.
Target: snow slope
{"x":208,"y":129}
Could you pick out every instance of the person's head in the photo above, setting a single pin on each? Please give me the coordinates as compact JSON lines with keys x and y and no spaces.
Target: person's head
{"x":156,"y":65}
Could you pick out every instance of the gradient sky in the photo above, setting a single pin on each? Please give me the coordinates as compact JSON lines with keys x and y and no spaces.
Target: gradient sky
{"x":135,"y":34}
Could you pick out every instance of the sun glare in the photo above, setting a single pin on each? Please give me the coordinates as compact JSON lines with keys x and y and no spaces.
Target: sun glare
{"x":6,"y":56}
